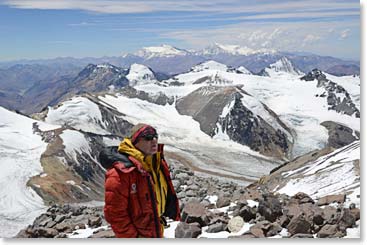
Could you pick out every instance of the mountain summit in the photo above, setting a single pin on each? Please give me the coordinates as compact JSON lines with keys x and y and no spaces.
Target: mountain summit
{"x":283,"y":65}
{"x":217,"y":49}
{"x":160,"y":51}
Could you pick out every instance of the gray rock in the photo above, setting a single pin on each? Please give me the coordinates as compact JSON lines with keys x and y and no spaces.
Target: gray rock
{"x":270,"y":207}
{"x":216,"y":227}
{"x":223,"y":201}
{"x":185,"y":230}
{"x":59,"y":218}
{"x":346,"y":220}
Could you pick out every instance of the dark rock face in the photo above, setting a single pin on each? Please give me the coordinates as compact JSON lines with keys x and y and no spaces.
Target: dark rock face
{"x":206,"y":105}
{"x":340,"y":135}
{"x":341,"y":104}
{"x":159,"y":99}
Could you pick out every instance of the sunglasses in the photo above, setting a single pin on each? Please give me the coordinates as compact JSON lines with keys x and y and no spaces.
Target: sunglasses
{"x":150,"y":137}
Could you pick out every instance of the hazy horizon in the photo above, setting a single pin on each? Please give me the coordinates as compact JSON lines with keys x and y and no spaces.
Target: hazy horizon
{"x":40,"y":29}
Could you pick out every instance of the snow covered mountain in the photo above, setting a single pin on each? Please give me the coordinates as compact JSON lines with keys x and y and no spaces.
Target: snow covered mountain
{"x":20,"y":154}
{"x":218,"y":48}
{"x":213,"y":119}
{"x":232,"y":114}
{"x":338,"y":98}
{"x":243,"y":70}
{"x":160,"y":51}
{"x":140,"y":74}
{"x":280,"y":67}
{"x":296,"y":102}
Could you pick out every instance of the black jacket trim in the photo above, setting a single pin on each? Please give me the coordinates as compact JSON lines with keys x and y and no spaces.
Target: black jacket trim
{"x":109,"y":155}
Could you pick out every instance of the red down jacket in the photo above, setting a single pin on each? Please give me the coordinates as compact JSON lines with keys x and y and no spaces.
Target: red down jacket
{"x":130,"y":202}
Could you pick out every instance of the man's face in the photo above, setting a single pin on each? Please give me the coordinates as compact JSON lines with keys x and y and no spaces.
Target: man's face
{"x":148,"y":145}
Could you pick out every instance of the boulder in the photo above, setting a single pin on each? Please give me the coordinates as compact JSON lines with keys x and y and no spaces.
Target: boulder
{"x":45,"y":232}
{"x":326,"y":200}
{"x":328,"y":231}
{"x":302,"y":198}
{"x":185,"y":230}
{"x":235,"y":224}
{"x":94,"y":221}
{"x":299,"y":224}
{"x":247,"y":213}
{"x":270,"y":207}
{"x":216,"y":227}
{"x":346,"y":220}
{"x":195,"y":212}
{"x":223,"y":201}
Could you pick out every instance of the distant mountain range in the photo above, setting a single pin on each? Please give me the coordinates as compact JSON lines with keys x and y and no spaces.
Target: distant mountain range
{"x":215,"y":119}
{"x":171,"y":60}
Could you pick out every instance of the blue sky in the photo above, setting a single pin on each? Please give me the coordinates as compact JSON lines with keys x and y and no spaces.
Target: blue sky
{"x":33,"y":29}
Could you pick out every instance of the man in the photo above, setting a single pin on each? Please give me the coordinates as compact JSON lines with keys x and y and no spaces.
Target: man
{"x":138,"y":188}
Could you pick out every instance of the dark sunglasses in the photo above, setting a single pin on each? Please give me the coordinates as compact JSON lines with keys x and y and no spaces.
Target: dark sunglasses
{"x":150,"y":137}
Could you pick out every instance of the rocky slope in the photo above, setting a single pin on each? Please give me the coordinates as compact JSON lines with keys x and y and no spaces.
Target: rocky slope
{"x":337,"y":97}
{"x":217,"y":208}
{"x":230,"y":110}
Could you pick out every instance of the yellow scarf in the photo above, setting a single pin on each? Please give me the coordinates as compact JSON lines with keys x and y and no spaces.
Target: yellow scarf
{"x":159,"y":182}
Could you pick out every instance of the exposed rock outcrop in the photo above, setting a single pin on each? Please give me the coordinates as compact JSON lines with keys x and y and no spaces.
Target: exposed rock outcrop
{"x":222,"y":110}
{"x":338,"y":99}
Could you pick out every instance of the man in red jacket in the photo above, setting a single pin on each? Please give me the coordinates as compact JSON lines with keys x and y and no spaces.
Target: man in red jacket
{"x":138,"y":188}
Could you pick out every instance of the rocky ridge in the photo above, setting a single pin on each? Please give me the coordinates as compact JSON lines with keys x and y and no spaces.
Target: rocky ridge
{"x":338,"y":99}
{"x":212,"y":205}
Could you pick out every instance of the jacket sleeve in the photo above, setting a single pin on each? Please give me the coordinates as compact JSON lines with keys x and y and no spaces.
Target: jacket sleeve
{"x":116,"y":205}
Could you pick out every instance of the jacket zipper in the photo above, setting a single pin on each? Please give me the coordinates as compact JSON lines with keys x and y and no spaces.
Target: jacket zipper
{"x":154,"y":204}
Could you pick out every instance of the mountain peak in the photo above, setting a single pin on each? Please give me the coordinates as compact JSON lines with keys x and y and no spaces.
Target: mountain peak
{"x":210,"y":65}
{"x":283,"y":65}
{"x":140,"y":74}
{"x":163,"y":50}
{"x":218,"y":48}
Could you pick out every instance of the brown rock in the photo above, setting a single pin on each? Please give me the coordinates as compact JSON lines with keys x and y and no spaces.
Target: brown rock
{"x":356,"y":213}
{"x":103,"y":234}
{"x":299,"y":224}
{"x":302,"y":198}
{"x":326,"y":200}
{"x":95,"y":222}
{"x":195,"y":212}
{"x":346,"y":220}
{"x":328,"y":231}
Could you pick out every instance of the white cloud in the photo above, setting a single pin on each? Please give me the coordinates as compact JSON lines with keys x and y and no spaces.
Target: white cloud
{"x":215,"y":6}
{"x":286,"y":36}
{"x":344,"y":34}
{"x":310,"y":38}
